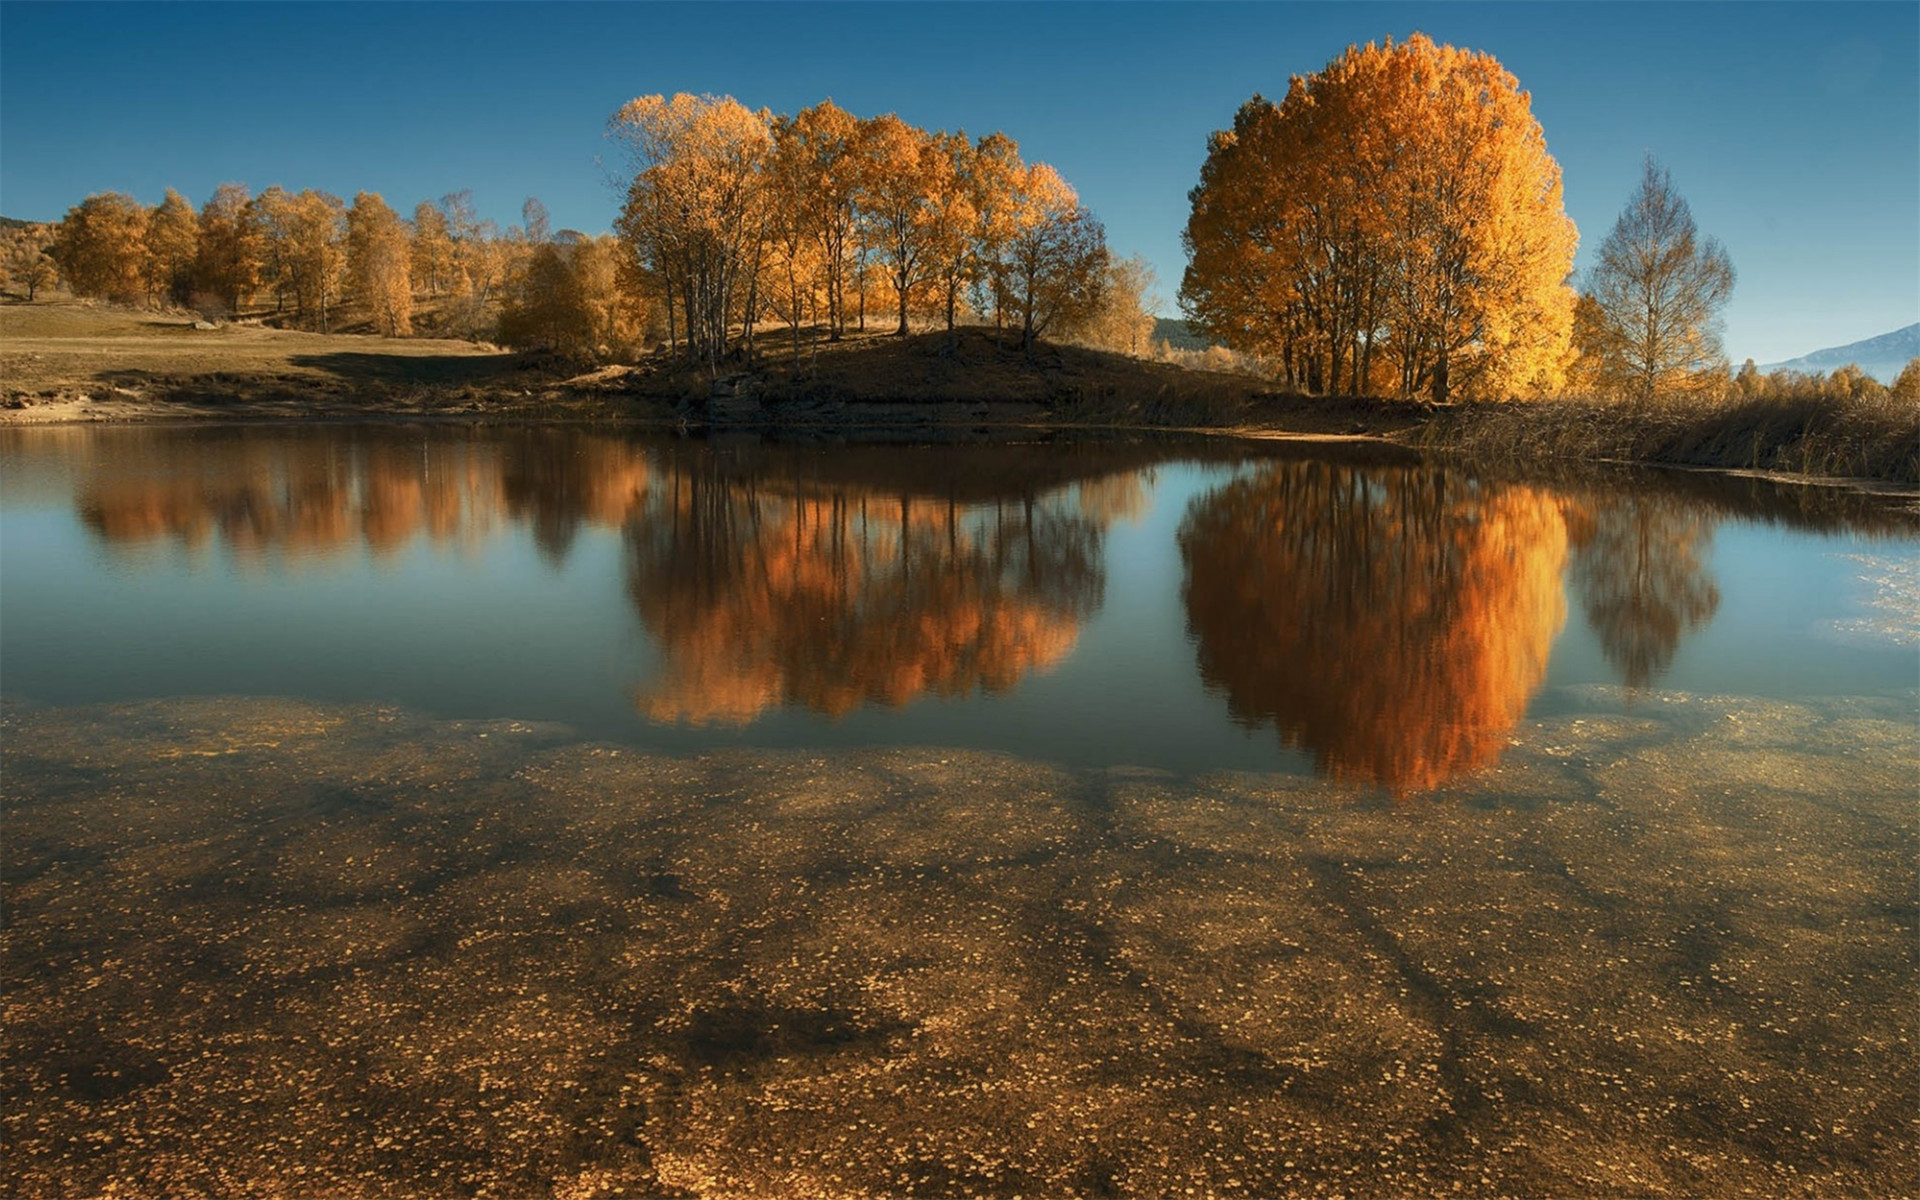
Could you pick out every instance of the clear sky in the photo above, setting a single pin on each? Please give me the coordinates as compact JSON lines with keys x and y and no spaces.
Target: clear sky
{"x":1792,"y":129}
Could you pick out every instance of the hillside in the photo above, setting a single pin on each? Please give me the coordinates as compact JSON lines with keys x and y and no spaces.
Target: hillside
{"x":1881,"y":357}
{"x":83,"y":362}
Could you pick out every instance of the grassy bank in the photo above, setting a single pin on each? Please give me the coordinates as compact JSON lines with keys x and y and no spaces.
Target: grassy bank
{"x":62,"y":362}
{"x":1811,"y":433}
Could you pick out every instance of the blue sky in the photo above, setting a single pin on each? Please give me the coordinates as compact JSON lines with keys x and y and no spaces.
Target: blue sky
{"x":1792,"y":129}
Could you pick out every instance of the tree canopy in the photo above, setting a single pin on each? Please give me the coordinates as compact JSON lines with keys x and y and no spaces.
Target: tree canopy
{"x":1395,"y":225}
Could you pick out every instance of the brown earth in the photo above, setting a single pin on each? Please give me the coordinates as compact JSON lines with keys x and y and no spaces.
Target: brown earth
{"x":67,"y":362}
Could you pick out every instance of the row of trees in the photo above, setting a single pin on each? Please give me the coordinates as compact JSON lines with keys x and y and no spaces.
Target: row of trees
{"x":309,"y":250}
{"x":732,"y":213}
{"x":732,"y":218}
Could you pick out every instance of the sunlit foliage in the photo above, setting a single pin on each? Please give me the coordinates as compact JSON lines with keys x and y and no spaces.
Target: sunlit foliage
{"x":1123,"y":319}
{"x":695,"y":209}
{"x":568,"y":299}
{"x":173,"y":243}
{"x":26,"y":264}
{"x":432,"y":248}
{"x":306,"y":250}
{"x":736,"y":216}
{"x":1395,"y":225}
{"x":378,"y":264}
{"x":101,"y":247}
{"x":231,"y":246}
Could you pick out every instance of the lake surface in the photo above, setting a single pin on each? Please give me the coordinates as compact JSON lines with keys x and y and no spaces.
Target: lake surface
{"x":545,"y":811}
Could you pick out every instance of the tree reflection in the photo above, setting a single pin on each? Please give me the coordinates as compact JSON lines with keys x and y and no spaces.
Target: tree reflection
{"x":1391,"y":622}
{"x":318,"y":496}
{"x":1640,"y":565}
{"x":765,"y":592}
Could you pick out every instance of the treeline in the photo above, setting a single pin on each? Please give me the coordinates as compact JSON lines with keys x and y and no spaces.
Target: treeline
{"x":732,"y":211}
{"x":305,"y":256}
{"x":733,"y":219}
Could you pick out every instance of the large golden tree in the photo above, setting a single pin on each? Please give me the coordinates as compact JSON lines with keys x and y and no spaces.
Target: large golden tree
{"x":1394,"y":226}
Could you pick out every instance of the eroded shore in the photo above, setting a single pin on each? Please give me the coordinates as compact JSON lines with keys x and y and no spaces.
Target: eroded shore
{"x":276,"y":948}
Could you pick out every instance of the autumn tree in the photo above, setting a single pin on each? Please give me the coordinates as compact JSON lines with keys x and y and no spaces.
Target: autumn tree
{"x":173,"y":244}
{"x":229,"y":256}
{"x":305,"y":238}
{"x":797,"y":274}
{"x":828,"y":143}
{"x":953,"y":218}
{"x":569,"y":299}
{"x":1394,"y":224}
{"x":101,"y":247}
{"x":993,"y":181}
{"x":1906,"y":385}
{"x":26,"y":260}
{"x":1653,"y":327}
{"x":379,"y":262}
{"x":694,"y":209}
{"x":1122,"y":321}
{"x":906,"y":173}
{"x":1056,"y":258}
{"x":431,"y":250}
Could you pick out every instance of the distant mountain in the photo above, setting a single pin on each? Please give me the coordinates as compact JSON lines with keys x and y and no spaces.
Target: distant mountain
{"x":15,"y":223}
{"x":1881,"y":357}
{"x":1174,"y":332}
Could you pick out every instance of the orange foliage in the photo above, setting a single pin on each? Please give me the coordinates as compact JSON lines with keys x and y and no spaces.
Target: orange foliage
{"x":833,"y":601}
{"x":1392,"y":623}
{"x":260,"y":496}
{"x":1396,"y":218}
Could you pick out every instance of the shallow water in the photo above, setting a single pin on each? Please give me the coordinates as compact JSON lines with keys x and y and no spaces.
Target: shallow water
{"x":536,"y":812}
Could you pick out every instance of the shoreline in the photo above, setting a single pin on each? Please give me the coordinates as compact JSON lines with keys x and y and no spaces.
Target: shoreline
{"x":916,"y":422}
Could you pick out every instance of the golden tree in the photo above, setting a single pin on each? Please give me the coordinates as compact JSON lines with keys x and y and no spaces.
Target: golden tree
{"x":694,"y":209}
{"x":1394,"y":224}
{"x":796,"y":264}
{"x":432,"y":248}
{"x":904,"y":173}
{"x":101,"y":247}
{"x":312,"y":226}
{"x":1056,"y":257}
{"x":230,"y":247}
{"x":1122,"y":321}
{"x":378,"y":262}
{"x":173,"y":242}
{"x":953,"y":216}
{"x":26,"y":261}
{"x":993,"y":178}
{"x":568,"y":298}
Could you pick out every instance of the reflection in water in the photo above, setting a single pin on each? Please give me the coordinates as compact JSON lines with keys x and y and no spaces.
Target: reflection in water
{"x":1393,"y":622}
{"x":1640,"y":563}
{"x":838,"y":595}
{"x":320,"y":496}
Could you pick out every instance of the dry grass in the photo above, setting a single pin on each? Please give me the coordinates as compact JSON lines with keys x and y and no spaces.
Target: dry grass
{"x":1812,"y":433}
{"x":64,"y":361}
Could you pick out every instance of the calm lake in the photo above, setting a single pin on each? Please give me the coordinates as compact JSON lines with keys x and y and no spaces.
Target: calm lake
{"x":541,"y":811}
